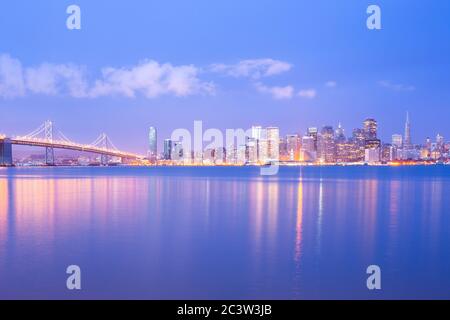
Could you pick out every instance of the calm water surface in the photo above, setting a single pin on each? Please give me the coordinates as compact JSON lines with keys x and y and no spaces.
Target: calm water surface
{"x":209,"y":233}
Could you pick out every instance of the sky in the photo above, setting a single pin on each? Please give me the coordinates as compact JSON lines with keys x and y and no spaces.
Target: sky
{"x":229,"y":63}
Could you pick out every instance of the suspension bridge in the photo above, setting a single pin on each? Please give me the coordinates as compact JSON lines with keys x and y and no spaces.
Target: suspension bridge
{"x":48,"y":137}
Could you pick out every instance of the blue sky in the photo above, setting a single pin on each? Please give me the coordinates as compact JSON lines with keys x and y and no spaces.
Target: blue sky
{"x":230,"y":63}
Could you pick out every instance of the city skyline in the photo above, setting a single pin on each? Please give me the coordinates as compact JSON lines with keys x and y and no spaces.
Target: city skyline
{"x":384,"y":135}
{"x":257,"y":145}
{"x":369,"y":124}
{"x":263,"y":145}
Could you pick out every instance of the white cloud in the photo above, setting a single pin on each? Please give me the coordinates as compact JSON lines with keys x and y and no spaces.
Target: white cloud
{"x":11,"y":77}
{"x":253,"y":68}
{"x":53,"y":79}
{"x":279,"y":93}
{"x":148,"y":78}
{"x":307,"y":93}
{"x":396,"y":86}
{"x":152,"y":80}
{"x":331,"y":84}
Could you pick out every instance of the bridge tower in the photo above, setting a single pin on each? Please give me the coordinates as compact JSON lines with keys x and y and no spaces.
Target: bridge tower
{"x":5,"y":153}
{"x":104,"y":145}
{"x":49,"y":152}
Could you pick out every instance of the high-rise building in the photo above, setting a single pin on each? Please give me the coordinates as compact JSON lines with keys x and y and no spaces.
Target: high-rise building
{"x":198,"y":157}
{"x":252,"y":150}
{"x":273,"y":143}
{"x":407,"y":142}
{"x":262,"y":147}
{"x":152,"y":145}
{"x":208,"y":156}
{"x":241,"y":155}
{"x":358,"y":135}
{"x":262,"y":151}
{"x":220,"y":155}
{"x":292,"y":147}
{"x":283,"y":150}
{"x":231,"y":154}
{"x":308,"y":151}
{"x":388,"y":152}
{"x":340,"y":134}
{"x":370,"y":128}
{"x":428,"y":143}
{"x":397,"y":141}
{"x":372,"y":155}
{"x":372,"y":143}
{"x":257,"y":132}
{"x":259,"y":136}
{"x":167,"y":155}
{"x":440,"y":141}
{"x":177,"y":153}
{"x":314,"y":133}
{"x":326,"y":145}
{"x":359,"y":142}
{"x":344,"y":152}
{"x":425,"y":153}
{"x":308,"y":143}
{"x":343,"y":147}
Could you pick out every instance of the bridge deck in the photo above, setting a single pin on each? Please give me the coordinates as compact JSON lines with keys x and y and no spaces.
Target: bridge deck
{"x":72,"y":146}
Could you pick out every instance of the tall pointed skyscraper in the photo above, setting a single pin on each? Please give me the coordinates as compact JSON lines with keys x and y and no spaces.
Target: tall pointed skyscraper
{"x":407,"y":140}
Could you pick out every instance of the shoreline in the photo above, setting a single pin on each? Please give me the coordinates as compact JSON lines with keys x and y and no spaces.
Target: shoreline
{"x":409,"y":164}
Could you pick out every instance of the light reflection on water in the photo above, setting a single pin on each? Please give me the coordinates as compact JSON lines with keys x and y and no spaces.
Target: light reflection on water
{"x":224,"y":232}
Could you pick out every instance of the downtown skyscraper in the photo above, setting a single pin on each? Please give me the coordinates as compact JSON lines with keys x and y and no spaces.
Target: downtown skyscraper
{"x":152,"y":145}
{"x":273,"y":143}
{"x":167,"y":155}
{"x":407,"y":140}
{"x":327,"y":145}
